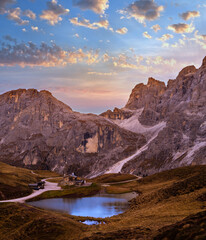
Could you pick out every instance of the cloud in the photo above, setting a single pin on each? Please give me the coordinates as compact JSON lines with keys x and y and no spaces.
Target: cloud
{"x":143,"y":10}
{"x":165,"y":37}
{"x":200,"y":39}
{"x":123,"y":30}
{"x":86,"y":23}
{"x":3,"y":4}
{"x":9,"y":38}
{"x":106,"y":57}
{"x":178,"y":44}
{"x":126,"y":62}
{"x":98,"y":6}
{"x":76,"y":35}
{"x":144,"y":64}
{"x":146,"y":35}
{"x":28,"y":13}
{"x":45,"y":55}
{"x":52,"y":14}
{"x":102,"y":23}
{"x":181,"y":28}
{"x":156,"y":27}
{"x":190,"y":14}
{"x":90,"y":57}
{"x":35,"y":28}
{"x":102,"y":73}
{"x":15,"y":15}
{"x":159,"y":60}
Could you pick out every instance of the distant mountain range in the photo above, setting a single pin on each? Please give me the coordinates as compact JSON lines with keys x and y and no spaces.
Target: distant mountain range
{"x":161,"y":127}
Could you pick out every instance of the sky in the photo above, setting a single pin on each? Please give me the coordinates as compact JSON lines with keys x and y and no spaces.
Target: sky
{"x":90,"y":54}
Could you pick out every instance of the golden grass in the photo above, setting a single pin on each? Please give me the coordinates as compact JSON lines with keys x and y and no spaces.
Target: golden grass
{"x":14,"y":181}
{"x":55,"y":180}
{"x":165,"y":198}
{"x":46,"y":174}
{"x":112,"y":178}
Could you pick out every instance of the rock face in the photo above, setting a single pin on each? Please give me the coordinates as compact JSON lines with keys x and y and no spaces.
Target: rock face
{"x":40,"y":132}
{"x":182,"y":106}
{"x":161,"y":127}
{"x":146,"y":95}
{"x":117,"y":113}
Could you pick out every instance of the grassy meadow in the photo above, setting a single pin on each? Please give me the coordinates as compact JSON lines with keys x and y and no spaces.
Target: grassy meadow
{"x":170,"y":205}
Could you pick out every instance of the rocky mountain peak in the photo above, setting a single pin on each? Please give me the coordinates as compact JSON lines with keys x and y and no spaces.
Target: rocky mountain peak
{"x":116,"y":114}
{"x":187,"y":70}
{"x":155,"y":83}
{"x":46,"y":92}
{"x":204,"y":62}
{"x":146,"y":95}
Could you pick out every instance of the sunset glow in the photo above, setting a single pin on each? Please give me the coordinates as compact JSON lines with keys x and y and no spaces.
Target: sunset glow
{"x":91,"y":53}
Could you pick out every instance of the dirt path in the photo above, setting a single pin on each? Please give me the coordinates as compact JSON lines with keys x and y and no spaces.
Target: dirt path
{"x":48,"y":187}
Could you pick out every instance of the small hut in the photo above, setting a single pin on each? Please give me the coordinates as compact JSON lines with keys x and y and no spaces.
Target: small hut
{"x":71,"y":179}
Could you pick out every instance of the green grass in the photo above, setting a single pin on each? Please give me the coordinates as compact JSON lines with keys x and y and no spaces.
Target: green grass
{"x":71,"y":192}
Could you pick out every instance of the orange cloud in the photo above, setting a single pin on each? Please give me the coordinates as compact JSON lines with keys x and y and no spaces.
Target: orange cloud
{"x":86,"y":23}
{"x":146,"y":35}
{"x":98,"y":6}
{"x":181,"y":28}
{"x":165,"y":37}
{"x":123,"y":30}
{"x":46,"y":56}
{"x":143,"y":10}
{"x":52,"y":14}
{"x":156,"y":27}
{"x":190,"y":14}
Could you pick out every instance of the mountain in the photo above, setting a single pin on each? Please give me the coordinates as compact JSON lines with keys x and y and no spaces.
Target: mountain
{"x":40,"y":132}
{"x":161,"y":127}
{"x":179,"y":109}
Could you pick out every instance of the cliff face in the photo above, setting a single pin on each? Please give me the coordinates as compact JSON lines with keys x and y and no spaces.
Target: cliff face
{"x":182,"y":106}
{"x":146,"y":95}
{"x":40,"y":132}
{"x":166,"y":123}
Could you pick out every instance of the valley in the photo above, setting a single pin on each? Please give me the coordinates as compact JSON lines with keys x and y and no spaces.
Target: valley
{"x":165,"y":199}
{"x":161,"y":127}
{"x":154,"y":147}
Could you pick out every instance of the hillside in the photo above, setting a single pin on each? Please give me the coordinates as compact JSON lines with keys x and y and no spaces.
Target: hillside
{"x":14,"y":181}
{"x":171,"y":206}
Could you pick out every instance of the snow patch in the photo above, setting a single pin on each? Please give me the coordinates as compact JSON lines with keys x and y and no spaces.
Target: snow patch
{"x":191,"y":151}
{"x":132,"y":124}
{"x":117,"y":167}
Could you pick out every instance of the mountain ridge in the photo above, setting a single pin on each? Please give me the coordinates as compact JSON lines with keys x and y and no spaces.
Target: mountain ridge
{"x":160,"y":127}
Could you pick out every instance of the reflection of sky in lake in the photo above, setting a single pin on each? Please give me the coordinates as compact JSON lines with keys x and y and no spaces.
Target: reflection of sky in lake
{"x":101,"y":205}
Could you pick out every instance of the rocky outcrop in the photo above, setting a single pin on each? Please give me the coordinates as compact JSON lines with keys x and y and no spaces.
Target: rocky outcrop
{"x":117,"y":113}
{"x":182,"y":106}
{"x":166,"y":123}
{"x":40,"y":132}
{"x":146,"y":95}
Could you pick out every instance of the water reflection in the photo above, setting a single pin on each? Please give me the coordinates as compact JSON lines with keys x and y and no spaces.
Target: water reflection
{"x":101,"y":205}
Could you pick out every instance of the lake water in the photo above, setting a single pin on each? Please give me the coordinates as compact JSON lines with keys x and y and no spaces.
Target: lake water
{"x":100,"y":205}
